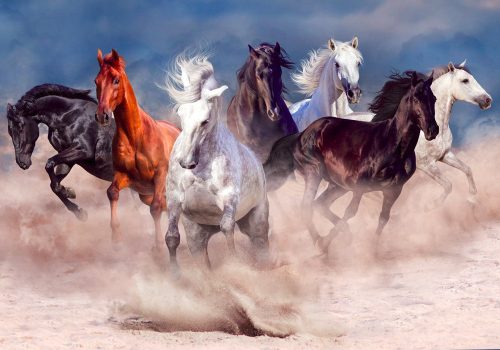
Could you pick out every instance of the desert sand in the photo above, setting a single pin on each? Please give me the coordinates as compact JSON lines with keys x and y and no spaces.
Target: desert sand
{"x":432,"y":281}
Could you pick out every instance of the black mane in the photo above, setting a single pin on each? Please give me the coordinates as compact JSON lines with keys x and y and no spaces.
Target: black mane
{"x":25,"y":103}
{"x":386,"y":103}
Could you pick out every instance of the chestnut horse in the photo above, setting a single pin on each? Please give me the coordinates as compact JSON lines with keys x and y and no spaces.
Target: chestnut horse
{"x":355,"y":156}
{"x":141,"y":145}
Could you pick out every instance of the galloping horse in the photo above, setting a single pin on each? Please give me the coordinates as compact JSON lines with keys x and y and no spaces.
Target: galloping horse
{"x":73,"y":132}
{"x":141,"y":146}
{"x":355,"y":156}
{"x":328,"y":76}
{"x":214,"y":181}
{"x":257,"y":115}
{"x":451,"y":83}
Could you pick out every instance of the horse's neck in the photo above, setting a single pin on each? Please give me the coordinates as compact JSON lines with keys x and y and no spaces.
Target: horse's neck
{"x":249,"y":101}
{"x":128,"y":114}
{"x":49,"y":109}
{"x":340,"y":106}
{"x":326,"y":93}
{"x":444,"y":102}
{"x":405,"y":132}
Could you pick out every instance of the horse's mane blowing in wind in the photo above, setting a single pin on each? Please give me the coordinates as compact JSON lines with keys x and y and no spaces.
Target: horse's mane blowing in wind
{"x":187,"y":76}
{"x":308,"y":78}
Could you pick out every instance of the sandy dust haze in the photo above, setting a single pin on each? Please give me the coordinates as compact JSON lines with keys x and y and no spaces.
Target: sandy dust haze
{"x":434,"y":284}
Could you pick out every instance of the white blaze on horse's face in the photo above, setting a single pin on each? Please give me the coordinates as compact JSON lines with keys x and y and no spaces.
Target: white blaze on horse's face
{"x":347,"y":62}
{"x":464,"y":87}
{"x":197,"y":120}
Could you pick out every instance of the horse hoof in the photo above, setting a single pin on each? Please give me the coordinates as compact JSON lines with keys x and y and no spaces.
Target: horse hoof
{"x":69,"y":193}
{"x":81,"y":214}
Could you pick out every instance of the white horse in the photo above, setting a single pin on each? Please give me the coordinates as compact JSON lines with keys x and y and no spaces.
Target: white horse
{"x":325,"y":76}
{"x":213,"y":181}
{"x":451,"y":83}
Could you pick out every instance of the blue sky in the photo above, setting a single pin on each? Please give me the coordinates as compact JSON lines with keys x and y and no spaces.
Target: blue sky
{"x":56,"y":41}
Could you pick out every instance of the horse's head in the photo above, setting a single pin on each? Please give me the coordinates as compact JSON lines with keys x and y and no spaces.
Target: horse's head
{"x":347,"y":62}
{"x":464,"y":87}
{"x":421,"y":101}
{"x":268,"y":60}
{"x":197,"y":120}
{"x":24,"y":133}
{"x":110,"y":89}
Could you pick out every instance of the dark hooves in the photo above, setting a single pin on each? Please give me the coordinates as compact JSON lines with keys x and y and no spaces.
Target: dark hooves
{"x":81,"y":214}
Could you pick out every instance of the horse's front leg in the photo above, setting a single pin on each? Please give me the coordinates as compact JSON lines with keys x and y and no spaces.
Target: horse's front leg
{"x":312,"y":183}
{"x":158,"y":204}
{"x":120,"y":181}
{"x":390,"y":196}
{"x":433,"y":171}
{"x":452,"y":160}
{"x":173,"y":237}
{"x":67,"y":157}
{"x":227,"y":222}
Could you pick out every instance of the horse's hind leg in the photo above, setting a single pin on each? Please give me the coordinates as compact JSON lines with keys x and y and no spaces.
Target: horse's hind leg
{"x":256,"y":226}
{"x":228,"y":221}
{"x":197,"y":237}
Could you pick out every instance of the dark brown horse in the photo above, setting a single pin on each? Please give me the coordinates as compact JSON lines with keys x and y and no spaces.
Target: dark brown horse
{"x":355,"y":156}
{"x":257,"y":115}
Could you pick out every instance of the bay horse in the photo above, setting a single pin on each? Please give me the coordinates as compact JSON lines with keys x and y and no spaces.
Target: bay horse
{"x":355,"y":156}
{"x":330,"y":76}
{"x":72,"y":131}
{"x":214,"y":181}
{"x":141,"y":145}
{"x":257,"y":115}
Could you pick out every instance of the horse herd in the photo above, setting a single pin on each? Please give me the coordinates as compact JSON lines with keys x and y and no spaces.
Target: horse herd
{"x":216,"y":171}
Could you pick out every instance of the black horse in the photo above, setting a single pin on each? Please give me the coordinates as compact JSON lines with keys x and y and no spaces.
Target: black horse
{"x":73,"y":132}
{"x":356,"y":156}
{"x":257,"y":115}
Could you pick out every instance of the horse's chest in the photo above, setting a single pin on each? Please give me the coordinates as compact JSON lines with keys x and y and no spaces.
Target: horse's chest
{"x":59,"y":140}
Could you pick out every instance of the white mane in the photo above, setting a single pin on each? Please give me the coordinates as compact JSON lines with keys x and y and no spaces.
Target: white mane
{"x":311,"y":69}
{"x":187,"y":77}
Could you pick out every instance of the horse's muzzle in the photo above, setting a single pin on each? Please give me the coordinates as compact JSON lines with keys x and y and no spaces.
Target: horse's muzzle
{"x":484,"y":102}
{"x":431,"y":132}
{"x":354,"y":95}
{"x":104,"y":119}
{"x":23,"y":162}
{"x":188,"y":165}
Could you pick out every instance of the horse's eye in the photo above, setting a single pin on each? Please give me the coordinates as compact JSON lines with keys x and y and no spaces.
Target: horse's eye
{"x":465,"y":81}
{"x":116,"y":81}
{"x":204,"y":123}
{"x":359,"y":64}
{"x":337,"y":65}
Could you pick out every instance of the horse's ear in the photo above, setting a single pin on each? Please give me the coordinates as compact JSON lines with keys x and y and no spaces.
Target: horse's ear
{"x":451,"y":67}
{"x":210,"y":94}
{"x":114,"y":55}
{"x":462,"y":65}
{"x":99,"y":57}
{"x":355,"y":42}
{"x":430,"y":79}
{"x":331,"y":44}
{"x":414,"y":79}
{"x":253,"y":52}
{"x":277,"y":49}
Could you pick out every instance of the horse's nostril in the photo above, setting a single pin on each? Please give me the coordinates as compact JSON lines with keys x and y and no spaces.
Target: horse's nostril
{"x":350,"y":93}
{"x":488,"y":100}
{"x":96,"y":119}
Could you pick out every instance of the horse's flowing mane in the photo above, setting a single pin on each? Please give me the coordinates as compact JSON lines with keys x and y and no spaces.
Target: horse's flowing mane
{"x":307,"y":79}
{"x":246,"y":74}
{"x":386,"y":103}
{"x":25,"y":103}
{"x":186,"y":78}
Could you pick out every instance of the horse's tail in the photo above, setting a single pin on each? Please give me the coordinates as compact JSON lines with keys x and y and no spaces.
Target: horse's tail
{"x":280,"y":163}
